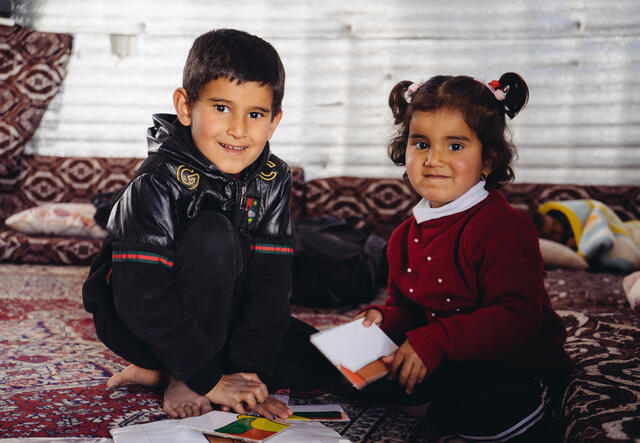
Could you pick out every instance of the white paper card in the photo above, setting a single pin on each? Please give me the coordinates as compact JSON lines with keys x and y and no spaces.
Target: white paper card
{"x":209,"y":421}
{"x":163,"y":431}
{"x":310,"y":432}
{"x":316,"y":408}
{"x":56,"y":440}
{"x":352,"y":345}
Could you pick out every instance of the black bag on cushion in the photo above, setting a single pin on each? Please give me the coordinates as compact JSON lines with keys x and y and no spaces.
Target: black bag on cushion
{"x":336,"y":264}
{"x":104,"y":203}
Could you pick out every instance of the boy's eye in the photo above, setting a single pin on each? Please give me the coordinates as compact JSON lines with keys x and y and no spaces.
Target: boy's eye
{"x":256,"y":115}
{"x":455,"y":147}
{"x":222,"y":108}
{"x":421,"y":146}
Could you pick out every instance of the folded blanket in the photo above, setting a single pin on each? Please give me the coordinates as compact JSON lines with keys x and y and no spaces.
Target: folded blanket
{"x":601,"y":237}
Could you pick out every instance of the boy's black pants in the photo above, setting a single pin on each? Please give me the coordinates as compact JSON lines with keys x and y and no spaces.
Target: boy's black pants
{"x":209,"y":268}
{"x":208,"y":261}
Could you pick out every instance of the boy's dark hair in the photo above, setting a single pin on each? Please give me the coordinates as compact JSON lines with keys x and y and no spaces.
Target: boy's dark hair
{"x":567,"y":231}
{"x":537,"y":218}
{"x":480,"y":109}
{"x":237,"y":55}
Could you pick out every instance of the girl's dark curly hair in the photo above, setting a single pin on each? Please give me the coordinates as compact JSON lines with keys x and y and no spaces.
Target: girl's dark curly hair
{"x":480,"y":109}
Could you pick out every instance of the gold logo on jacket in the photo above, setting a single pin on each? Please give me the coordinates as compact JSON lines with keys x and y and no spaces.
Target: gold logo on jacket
{"x":268,"y":176}
{"x":187,"y":177}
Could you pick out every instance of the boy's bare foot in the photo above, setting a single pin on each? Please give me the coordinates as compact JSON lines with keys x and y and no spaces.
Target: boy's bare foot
{"x":181,"y":401}
{"x":135,"y":375}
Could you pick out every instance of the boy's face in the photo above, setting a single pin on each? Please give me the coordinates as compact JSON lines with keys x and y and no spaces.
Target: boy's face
{"x":230,"y":122}
{"x":551,"y":229}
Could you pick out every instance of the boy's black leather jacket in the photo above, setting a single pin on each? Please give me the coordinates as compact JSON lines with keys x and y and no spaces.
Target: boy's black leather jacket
{"x":173,"y":184}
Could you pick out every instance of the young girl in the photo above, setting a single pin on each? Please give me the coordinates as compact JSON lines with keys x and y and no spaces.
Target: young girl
{"x":467,"y":302}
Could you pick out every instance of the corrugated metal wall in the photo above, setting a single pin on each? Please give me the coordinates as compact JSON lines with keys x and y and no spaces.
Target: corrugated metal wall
{"x":581,"y":59}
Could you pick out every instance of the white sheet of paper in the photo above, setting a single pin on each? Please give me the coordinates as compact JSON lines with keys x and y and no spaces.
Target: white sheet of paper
{"x":209,"y":421}
{"x":316,"y":408}
{"x":310,"y":432}
{"x":352,"y":345}
{"x":56,"y":440}
{"x":163,"y":431}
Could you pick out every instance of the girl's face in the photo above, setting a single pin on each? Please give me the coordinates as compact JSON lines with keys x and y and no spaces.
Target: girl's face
{"x":443,"y":157}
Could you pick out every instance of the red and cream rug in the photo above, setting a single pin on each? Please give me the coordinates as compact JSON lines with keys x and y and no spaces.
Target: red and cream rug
{"x":53,"y":369}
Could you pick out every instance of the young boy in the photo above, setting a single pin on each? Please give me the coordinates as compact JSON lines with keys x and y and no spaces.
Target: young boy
{"x":192,"y":283}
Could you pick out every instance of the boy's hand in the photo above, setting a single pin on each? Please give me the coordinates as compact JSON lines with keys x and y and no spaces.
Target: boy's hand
{"x":406,"y":366}
{"x":241,"y":392}
{"x":272,"y":408}
{"x":370,"y":316}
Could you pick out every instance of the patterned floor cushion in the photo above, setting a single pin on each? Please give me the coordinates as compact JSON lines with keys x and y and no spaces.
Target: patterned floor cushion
{"x":33,"y":67}
{"x":381,"y":204}
{"x":45,"y":179}
{"x":375,"y":204}
{"x":602,"y":399}
{"x":624,"y":200}
{"x":20,"y":248}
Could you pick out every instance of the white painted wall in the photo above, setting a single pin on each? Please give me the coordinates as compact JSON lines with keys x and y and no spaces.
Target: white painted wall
{"x":581,"y":59}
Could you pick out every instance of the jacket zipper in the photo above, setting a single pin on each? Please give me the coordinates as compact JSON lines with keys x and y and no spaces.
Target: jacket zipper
{"x":243,"y":190}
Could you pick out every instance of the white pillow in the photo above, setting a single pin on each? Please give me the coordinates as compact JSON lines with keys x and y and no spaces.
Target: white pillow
{"x":633,"y":228}
{"x":557,"y":255}
{"x":624,"y":256}
{"x":58,"y":219}
{"x":631,"y":286}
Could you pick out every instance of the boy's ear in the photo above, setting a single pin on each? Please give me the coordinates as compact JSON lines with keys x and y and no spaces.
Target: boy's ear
{"x":274,"y":124}
{"x":182,"y":106}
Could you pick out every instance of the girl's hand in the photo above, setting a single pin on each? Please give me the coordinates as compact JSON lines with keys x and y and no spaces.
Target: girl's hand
{"x":406,"y":366}
{"x":370,"y":316}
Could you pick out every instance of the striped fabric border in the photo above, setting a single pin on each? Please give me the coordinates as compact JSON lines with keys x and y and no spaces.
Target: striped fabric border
{"x":141,"y":257}
{"x":266,"y":248}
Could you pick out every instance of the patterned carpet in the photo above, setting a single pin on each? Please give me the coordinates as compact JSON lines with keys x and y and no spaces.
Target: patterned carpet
{"x":53,"y":369}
